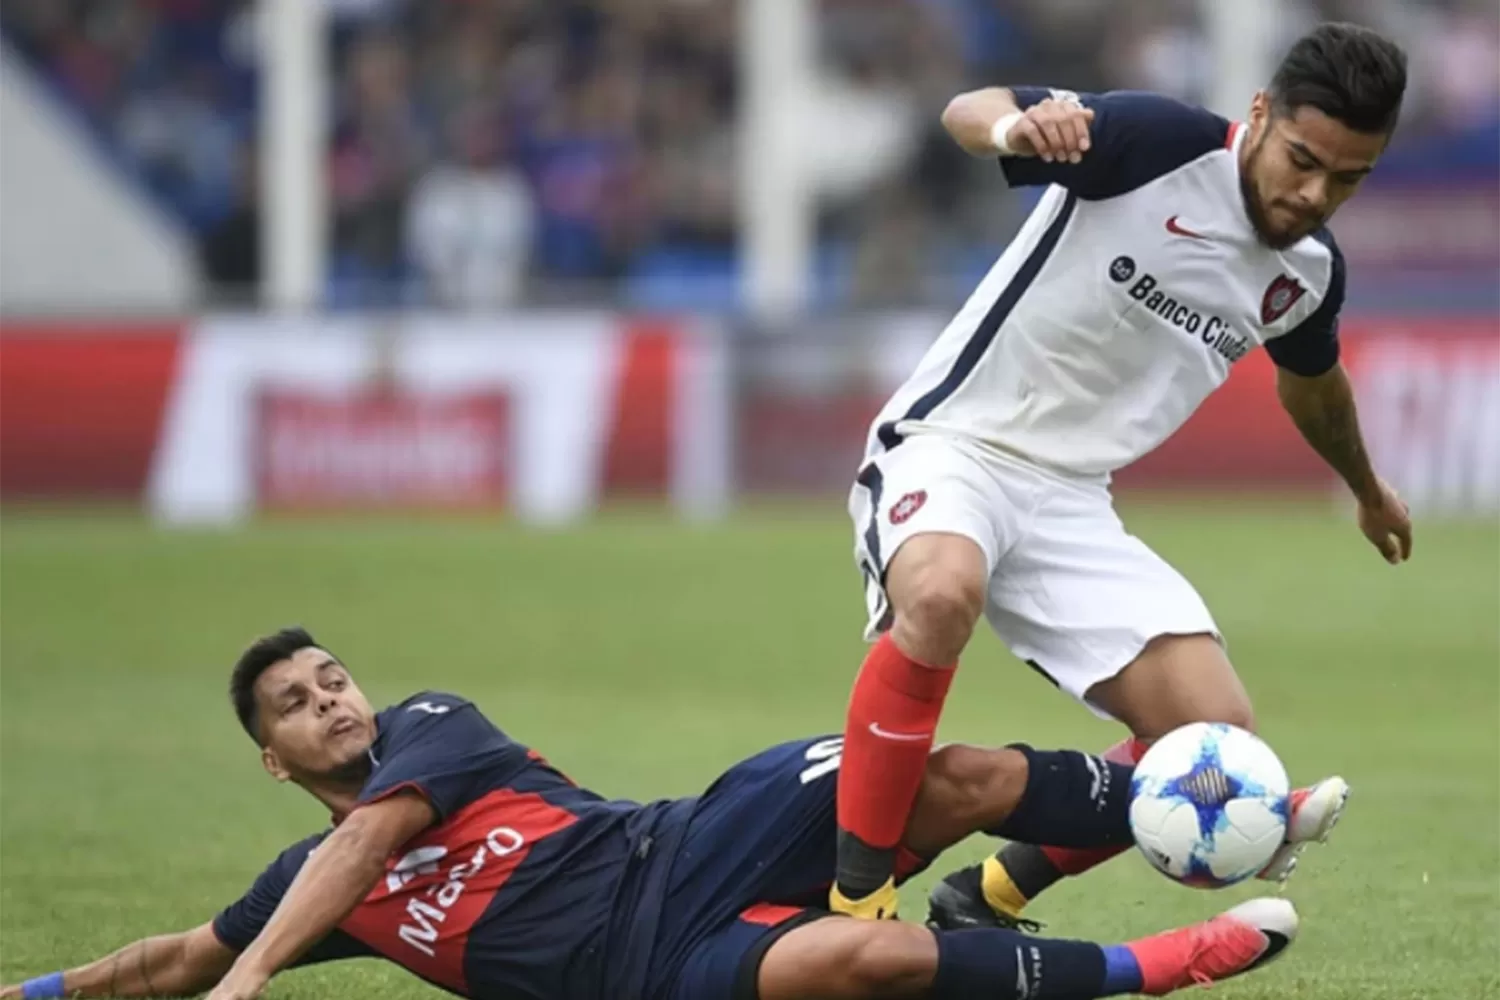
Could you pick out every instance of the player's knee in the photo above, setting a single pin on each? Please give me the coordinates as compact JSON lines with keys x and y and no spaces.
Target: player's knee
{"x":851,"y":959}
{"x":974,"y":785}
{"x":1177,"y":680}
{"x":899,"y":960}
{"x":936,"y":600}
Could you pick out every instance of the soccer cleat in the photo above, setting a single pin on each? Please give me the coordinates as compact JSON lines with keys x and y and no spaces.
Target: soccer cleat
{"x":878,"y":905}
{"x":1315,"y":811}
{"x":957,"y":903}
{"x":1248,"y":936}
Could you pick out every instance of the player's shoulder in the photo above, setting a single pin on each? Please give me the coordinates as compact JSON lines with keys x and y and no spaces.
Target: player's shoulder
{"x":1189,"y":124}
{"x":1184,"y":129}
{"x":1302,"y":305}
{"x":1323,"y":244}
{"x":1137,"y":137}
{"x":431,"y":703}
{"x":1153,"y":135}
{"x":424,"y":712}
{"x":1319,"y":260}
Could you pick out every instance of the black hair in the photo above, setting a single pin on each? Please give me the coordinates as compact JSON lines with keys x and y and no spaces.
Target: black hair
{"x":1351,"y":73}
{"x":262,"y":654}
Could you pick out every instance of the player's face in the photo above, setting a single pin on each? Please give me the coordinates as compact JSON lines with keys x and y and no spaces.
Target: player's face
{"x":315,"y":722}
{"x":1300,"y":168}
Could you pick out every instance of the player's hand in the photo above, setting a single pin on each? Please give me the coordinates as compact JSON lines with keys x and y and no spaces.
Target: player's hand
{"x":1386,"y":521}
{"x":1053,"y":130}
{"x":10,"y":993}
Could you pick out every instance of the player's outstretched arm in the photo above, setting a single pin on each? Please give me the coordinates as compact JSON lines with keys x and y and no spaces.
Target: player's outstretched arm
{"x":169,"y":965}
{"x":990,"y":123}
{"x":1322,"y":407}
{"x":331,"y":883}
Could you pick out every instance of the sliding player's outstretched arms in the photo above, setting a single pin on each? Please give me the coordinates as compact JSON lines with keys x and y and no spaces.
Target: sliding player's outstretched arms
{"x":168,"y":965}
{"x":331,"y":883}
{"x":288,"y":917}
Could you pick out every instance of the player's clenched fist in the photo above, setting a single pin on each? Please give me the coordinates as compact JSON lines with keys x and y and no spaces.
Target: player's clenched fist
{"x":1054,"y":129}
{"x":1386,"y":521}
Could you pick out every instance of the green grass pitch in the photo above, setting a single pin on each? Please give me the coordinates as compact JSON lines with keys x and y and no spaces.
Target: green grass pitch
{"x":644,"y":656}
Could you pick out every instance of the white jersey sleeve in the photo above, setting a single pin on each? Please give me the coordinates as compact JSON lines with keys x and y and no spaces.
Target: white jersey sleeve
{"x":1312,"y":346}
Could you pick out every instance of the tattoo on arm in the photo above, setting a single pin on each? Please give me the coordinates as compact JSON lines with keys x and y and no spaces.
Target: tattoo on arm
{"x":1324,"y":412}
{"x":1335,"y":433}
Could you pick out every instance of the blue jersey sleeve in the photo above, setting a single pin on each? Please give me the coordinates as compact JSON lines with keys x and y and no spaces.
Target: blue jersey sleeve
{"x":1311,"y":348}
{"x":443,"y":748}
{"x":1135,"y":138}
{"x":240,"y":924}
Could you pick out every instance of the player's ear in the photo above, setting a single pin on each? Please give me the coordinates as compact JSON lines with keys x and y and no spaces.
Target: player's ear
{"x":272,"y":764}
{"x":1260,"y":109}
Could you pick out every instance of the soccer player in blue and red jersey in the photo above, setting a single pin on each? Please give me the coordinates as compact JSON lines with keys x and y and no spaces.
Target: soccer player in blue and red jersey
{"x":466,"y":858}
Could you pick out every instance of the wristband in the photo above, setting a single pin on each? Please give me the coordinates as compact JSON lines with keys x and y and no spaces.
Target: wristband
{"x":1001,"y":129}
{"x":43,"y":987}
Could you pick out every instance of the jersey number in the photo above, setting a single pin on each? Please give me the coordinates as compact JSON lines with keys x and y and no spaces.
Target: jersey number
{"x":823,"y":757}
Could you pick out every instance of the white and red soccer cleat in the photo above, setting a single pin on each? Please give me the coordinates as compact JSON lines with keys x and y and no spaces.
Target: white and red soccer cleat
{"x":1315,"y":811}
{"x":1248,"y":936}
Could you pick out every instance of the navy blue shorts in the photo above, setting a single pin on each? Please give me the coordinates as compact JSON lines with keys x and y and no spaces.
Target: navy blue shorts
{"x":756,"y":861}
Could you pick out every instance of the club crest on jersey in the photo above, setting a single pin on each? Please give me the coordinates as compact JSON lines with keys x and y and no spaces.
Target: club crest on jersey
{"x":903,"y":509}
{"x":1282,"y":294}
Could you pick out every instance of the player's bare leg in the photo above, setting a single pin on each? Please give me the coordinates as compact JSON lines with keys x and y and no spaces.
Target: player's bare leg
{"x":936,"y":585}
{"x":1176,"y":680}
{"x":861,"y":960}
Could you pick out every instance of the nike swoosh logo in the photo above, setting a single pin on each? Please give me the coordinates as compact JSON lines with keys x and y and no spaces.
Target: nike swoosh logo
{"x":886,"y":734}
{"x":1177,"y":230}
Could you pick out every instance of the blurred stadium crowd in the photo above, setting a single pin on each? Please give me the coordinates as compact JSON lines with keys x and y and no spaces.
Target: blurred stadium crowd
{"x":493,"y":152}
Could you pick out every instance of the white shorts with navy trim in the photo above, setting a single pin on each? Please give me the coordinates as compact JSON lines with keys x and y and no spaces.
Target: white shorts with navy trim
{"x":1071,"y":592}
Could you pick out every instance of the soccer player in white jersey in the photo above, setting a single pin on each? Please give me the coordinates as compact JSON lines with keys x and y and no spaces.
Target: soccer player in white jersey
{"x":1168,"y":244}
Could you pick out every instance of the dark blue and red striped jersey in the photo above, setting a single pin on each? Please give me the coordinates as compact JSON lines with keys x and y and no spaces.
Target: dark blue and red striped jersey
{"x":500,"y":898}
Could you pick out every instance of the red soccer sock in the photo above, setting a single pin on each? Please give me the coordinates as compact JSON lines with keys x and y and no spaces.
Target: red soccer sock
{"x":1072,"y":861}
{"x":893,"y":716}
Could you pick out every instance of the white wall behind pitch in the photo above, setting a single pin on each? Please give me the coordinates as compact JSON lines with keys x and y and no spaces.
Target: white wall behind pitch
{"x":74,"y":235}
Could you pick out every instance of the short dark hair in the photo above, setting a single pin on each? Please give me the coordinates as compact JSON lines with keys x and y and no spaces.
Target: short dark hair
{"x":1351,"y":73}
{"x":262,"y":654}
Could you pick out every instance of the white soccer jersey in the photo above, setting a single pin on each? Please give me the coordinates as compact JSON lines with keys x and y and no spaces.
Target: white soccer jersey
{"x":1128,"y":295}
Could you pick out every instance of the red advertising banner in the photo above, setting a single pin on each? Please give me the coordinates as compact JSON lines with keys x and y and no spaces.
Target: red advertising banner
{"x":1429,"y":395}
{"x":82,"y":405}
{"x":381,"y":448}
{"x":1239,"y":438}
{"x":794,"y":441}
{"x":219,"y":418}
{"x":1430,"y":406}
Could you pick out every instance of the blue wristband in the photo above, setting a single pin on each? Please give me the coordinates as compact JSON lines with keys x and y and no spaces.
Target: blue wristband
{"x":43,"y":987}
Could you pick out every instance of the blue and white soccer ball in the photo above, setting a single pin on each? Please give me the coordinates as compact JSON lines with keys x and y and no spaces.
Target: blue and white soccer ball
{"x":1209,"y":805}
